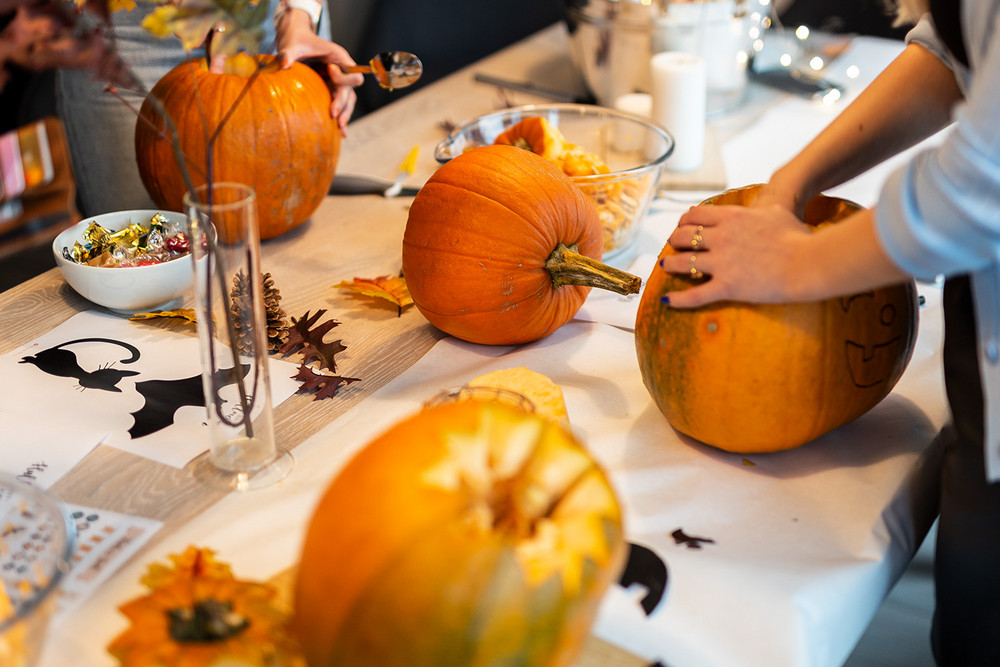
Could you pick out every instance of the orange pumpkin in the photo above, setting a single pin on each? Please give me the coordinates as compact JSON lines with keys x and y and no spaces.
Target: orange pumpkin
{"x":280,"y":140}
{"x":500,"y":247}
{"x":541,"y":137}
{"x":537,"y":135}
{"x":758,"y":378}
{"x":472,"y":533}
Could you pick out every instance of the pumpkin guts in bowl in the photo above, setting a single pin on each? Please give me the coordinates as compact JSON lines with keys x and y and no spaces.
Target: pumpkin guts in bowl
{"x":616,"y":158}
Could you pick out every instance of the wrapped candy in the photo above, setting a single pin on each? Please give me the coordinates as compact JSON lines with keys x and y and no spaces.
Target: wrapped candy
{"x":137,"y":244}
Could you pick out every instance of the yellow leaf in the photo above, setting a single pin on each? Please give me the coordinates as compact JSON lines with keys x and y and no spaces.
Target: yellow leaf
{"x":116,"y":5}
{"x":183,"y":313}
{"x":390,"y":288}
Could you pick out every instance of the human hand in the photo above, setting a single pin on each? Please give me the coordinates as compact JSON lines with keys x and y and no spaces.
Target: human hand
{"x":771,"y":194}
{"x":296,"y":41}
{"x":752,"y":254}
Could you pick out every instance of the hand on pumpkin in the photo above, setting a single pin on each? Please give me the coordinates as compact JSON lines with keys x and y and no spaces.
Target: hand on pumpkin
{"x":296,"y":41}
{"x":764,"y":254}
{"x":751,"y":254}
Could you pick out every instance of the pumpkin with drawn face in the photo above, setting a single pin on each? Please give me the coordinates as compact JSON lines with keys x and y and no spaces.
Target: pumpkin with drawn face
{"x":758,"y":378}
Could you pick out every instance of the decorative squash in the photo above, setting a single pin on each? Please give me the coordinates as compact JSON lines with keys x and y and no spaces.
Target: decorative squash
{"x":472,"y":533}
{"x":280,"y":140}
{"x":758,"y":378}
{"x":500,"y":247}
{"x":545,"y":395}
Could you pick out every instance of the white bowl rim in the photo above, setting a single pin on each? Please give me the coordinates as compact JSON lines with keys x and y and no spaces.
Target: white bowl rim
{"x":570,"y":108}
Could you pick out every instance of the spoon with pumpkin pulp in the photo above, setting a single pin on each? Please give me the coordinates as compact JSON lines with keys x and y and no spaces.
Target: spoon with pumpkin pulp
{"x":392,"y":69}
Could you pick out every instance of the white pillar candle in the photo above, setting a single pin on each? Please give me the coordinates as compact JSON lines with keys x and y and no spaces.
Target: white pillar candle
{"x":638,"y":104}
{"x":679,"y":105}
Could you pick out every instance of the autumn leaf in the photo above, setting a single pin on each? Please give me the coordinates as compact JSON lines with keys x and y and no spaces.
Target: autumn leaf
{"x":390,"y":288}
{"x":306,"y":336}
{"x":181,"y":313}
{"x":192,"y":20}
{"x":326,"y":385}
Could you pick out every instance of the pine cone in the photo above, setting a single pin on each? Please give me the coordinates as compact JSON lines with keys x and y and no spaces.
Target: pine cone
{"x":277,"y":324}
{"x":239,"y":303}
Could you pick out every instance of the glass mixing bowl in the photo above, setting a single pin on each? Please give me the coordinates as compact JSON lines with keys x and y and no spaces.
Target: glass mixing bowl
{"x":633,"y":147}
{"x":36,"y":545}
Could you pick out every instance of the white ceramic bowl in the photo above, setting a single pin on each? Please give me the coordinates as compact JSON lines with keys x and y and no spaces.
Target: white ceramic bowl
{"x":634,"y":148}
{"x":124,"y":289}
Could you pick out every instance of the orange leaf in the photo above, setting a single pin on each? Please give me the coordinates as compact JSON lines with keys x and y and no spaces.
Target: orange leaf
{"x":182,"y":313}
{"x":390,"y":288}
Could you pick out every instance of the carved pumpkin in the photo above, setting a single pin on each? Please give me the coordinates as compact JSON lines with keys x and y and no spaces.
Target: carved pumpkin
{"x":758,"y":378}
{"x":500,"y":247}
{"x":280,"y":140}
{"x":472,"y":533}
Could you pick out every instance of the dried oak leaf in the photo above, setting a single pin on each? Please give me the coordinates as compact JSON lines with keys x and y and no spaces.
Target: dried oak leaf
{"x":390,"y":288}
{"x":306,"y":338}
{"x":326,"y":385}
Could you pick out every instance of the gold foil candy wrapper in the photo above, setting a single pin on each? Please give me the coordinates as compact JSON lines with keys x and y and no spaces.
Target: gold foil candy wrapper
{"x":102,"y":247}
{"x":95,"y":235}
{"x":131,"y":235}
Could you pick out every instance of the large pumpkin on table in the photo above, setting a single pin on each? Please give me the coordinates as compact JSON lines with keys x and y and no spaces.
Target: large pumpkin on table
{"x":473,"y":533}
{"x":280,"y":139}
{"x":501,"y":247}
{"x":758,"y":378}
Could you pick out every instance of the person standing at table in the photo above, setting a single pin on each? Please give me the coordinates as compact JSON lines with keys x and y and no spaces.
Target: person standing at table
{"x":100,"y":128}
{"x":938,"y":215}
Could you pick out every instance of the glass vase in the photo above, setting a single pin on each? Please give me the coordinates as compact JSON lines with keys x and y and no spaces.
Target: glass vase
{"x":232,"y":332}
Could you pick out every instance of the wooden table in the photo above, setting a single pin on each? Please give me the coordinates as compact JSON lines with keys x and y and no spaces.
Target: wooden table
{"x":347,"y":237}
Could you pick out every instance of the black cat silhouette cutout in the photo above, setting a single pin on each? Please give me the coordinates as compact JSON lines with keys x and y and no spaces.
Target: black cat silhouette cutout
{"x":63,"y":363}
{"x":162,"y":398}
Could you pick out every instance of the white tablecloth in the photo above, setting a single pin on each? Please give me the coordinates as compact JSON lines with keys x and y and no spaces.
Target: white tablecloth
{"x":806,"y":543}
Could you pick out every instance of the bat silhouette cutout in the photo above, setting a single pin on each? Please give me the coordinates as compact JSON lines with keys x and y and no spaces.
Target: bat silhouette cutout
{"x":164,"y":397}
{"x":690,"y":541}
{"x":645,"y":568}
{"x":60,"y":362}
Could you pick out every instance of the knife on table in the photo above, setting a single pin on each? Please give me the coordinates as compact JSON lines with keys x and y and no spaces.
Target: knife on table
{"x":352,"y":184}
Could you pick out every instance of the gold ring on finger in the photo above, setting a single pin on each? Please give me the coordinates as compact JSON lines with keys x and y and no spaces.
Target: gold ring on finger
{"x":692,"y":269}
{"x":697,"y":239}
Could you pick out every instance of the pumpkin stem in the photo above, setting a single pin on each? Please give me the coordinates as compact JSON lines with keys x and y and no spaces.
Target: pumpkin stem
{"x":568,"y":267}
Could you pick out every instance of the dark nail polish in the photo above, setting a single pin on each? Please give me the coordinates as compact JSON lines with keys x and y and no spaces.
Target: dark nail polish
{"x":665,"y":300}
